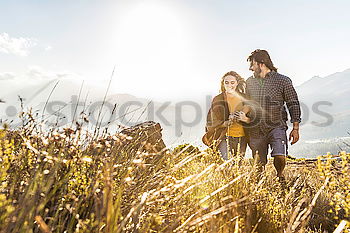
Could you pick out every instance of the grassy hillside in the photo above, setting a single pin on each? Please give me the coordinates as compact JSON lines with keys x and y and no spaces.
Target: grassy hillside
{"x":64,"y":180}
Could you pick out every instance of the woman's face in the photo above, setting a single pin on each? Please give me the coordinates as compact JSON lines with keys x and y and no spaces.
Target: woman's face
{"x":230,"y":83}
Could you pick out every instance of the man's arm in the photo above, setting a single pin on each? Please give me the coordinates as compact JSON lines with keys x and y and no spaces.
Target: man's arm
{"x":293,"y":105}
{"x":291,"y":99}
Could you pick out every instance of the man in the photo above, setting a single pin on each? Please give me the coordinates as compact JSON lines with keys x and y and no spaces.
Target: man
{"x":268,"y":92}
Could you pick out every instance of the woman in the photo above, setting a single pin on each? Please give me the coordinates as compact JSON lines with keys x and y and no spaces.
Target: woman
{"x":224,"y":129}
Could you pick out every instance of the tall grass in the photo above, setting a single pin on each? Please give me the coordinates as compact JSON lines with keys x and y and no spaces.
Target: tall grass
{"x":60,"y":180}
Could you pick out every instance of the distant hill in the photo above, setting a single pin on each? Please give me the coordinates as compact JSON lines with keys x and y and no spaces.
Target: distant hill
{"x":333,"y":94}
{"x":62,"y":96}
{"x":334,"y":88}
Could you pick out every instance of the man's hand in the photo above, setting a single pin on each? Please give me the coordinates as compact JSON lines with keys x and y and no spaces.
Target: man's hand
{"x":294,"y":134}
{"x":241,"y":116}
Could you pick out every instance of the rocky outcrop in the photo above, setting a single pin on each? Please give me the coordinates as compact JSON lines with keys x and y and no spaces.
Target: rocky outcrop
{"x":146,"y":137}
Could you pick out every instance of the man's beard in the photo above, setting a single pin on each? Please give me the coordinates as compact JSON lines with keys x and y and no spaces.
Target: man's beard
{"x":257,"y":73}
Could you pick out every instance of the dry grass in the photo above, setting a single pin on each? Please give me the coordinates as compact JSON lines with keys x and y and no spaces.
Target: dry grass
{"x":61,"y":180}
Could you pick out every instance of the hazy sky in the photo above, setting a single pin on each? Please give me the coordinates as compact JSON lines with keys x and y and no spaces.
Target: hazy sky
{"x":170,"y":49}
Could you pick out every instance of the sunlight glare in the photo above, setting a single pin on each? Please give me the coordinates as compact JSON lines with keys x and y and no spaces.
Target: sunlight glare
{"x":152,"y":40}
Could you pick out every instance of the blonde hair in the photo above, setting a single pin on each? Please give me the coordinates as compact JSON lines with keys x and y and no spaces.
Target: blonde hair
{"x":241,"y":82}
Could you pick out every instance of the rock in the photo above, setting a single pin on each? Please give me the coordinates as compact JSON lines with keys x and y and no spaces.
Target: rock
{"x":146,"y":136}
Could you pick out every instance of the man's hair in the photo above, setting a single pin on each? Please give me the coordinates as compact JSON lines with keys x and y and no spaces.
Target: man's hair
{"x":262,"y":56}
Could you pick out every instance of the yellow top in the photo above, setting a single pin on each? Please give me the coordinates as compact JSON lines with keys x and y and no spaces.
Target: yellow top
{"x":235,"y":104}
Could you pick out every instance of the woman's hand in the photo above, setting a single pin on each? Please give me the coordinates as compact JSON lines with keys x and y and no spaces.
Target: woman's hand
{"x":241,"y":116}
{"x":227,"y":123}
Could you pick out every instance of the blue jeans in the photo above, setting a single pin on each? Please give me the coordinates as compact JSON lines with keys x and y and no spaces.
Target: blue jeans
{"x":276,"y":139}
{"x":229,"y":145}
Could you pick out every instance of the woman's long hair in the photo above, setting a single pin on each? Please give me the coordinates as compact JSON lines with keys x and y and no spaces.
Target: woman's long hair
{"x":241,"y":82}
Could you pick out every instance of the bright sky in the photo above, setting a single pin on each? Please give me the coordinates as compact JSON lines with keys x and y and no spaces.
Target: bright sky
{"x":171,"y":49}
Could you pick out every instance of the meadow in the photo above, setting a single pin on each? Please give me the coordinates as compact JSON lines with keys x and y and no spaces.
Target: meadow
{"x":67,"y":180}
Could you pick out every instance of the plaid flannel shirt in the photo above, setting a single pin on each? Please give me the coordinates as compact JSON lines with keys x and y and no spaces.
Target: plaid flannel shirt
{"x":268,"y":98}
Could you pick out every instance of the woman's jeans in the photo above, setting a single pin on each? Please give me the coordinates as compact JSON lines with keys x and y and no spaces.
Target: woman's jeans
{"x":229,"y":147}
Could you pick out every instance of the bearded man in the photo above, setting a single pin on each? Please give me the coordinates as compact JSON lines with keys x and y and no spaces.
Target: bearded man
{"x":270,"y":93}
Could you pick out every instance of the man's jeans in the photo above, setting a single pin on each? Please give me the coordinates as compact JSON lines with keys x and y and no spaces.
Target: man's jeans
{"x":276,"y":139}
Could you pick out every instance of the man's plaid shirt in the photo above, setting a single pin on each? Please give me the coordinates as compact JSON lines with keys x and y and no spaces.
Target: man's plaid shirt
{"x":267,"y":97}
